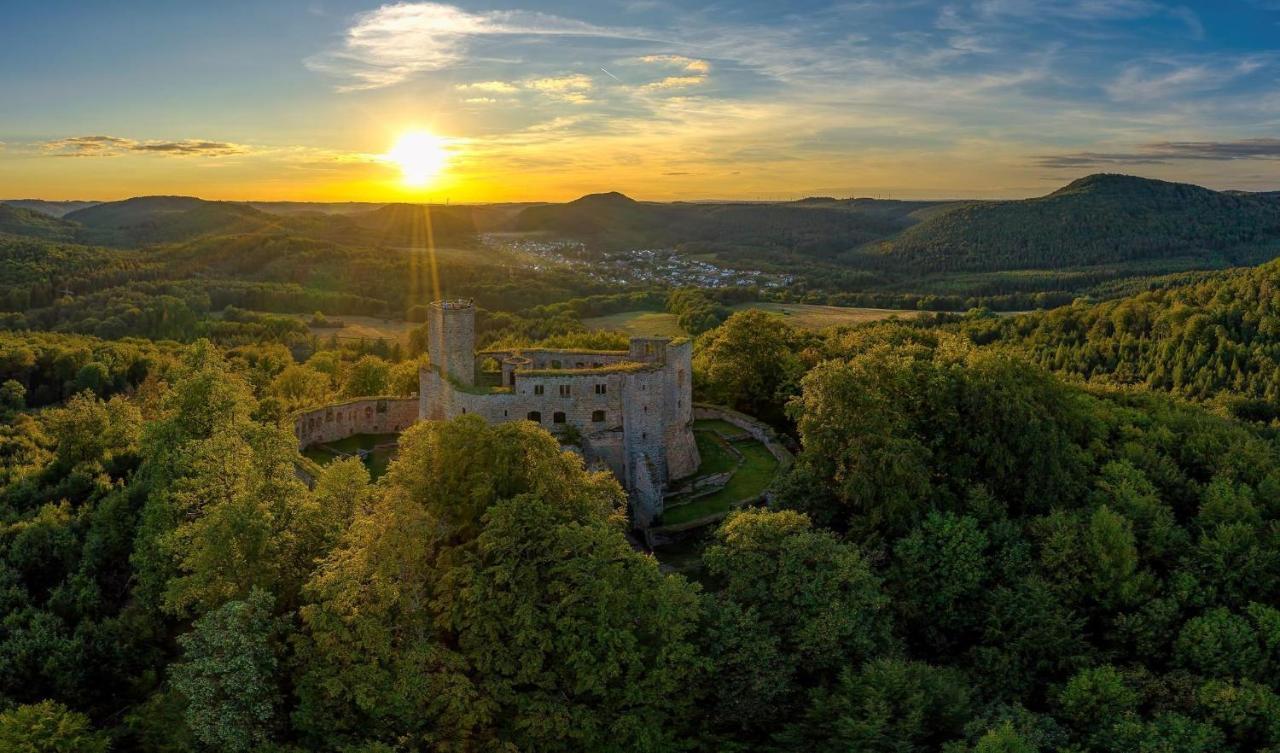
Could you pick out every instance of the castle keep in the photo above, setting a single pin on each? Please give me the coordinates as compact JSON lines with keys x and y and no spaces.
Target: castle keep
{"x":632,"y":410}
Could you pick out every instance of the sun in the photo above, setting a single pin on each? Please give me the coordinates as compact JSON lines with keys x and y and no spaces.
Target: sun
{"x":421,"y":156}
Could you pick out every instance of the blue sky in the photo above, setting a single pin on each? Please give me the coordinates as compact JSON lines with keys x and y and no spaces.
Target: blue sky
{"x":657,"y":99}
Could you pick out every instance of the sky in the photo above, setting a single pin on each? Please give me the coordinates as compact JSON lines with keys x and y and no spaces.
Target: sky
{"x":523,"y":100}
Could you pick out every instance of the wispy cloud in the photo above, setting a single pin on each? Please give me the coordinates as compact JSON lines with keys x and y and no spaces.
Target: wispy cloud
{"x":110,"y":146}
{"x":1162,"y":152}
{"x":572,"y":88}
{"x":489,"y":87}
{"x":1160,"y":79}
{"x":690,"y":65}
{"x":394,"y":42}
{"x":693,"y":71}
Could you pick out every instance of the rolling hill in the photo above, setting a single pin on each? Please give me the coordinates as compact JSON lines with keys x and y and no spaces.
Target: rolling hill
{"x":817,"y":227}
{"x":413,"y":225}
{"x":146,"y":220}
{"x":51,"y":208}
{"x":28,"y":222}
{"x":1101,"y":219}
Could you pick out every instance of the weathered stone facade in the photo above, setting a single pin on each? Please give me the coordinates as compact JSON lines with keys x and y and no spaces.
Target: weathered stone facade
{"x":633,"y":409}
{"x":365,"y":415}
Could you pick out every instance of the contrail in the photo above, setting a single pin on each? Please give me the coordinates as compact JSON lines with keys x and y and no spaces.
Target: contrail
{"x":610,"y":75}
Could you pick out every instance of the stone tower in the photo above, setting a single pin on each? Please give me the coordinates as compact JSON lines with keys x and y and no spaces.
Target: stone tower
{"x":451,"y":339}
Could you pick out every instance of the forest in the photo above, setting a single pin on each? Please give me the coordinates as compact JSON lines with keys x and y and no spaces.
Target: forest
{"x":1054,"y":531}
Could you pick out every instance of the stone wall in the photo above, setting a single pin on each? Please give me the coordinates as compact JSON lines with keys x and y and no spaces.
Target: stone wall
{"x":366,"y":415}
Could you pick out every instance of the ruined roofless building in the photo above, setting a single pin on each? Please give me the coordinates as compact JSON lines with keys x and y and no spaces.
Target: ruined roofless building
{"x":633,"y":409}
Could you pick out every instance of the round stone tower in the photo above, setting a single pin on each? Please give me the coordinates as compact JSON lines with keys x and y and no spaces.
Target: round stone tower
{"x":451,"y":339}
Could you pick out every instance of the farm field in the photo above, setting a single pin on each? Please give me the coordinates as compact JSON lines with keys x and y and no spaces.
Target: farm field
{"x":802,"y":315}
{"x":638,"y":323}
{"x":813,"y":316}
{"x":364,"y":328}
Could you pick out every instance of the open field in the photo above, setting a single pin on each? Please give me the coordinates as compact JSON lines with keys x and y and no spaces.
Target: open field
{"x":802,"y":315}
{"x":364,"y":328}
{"x":638,"y":323}
{"x":813,"y":316}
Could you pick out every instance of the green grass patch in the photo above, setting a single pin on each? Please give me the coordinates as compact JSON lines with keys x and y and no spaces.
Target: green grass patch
{"x":751,"y":480}
{"x":638,"y":323}
{"x":812,"y":316}
{"x":724,"y":428}
{"x":376,"y":460}
{"x":716,"y":457}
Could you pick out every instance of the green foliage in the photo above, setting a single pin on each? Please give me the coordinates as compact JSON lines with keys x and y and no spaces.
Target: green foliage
{"x":888,"y":705}
{"x":228,"y":675}
{"x":520,"y":617}
{"x":816,"y":593}
{"x":49,"y":727}
{"x":1206,"y":339}
{"x":750,"y":363}
{"x":1097,"y":219}
{"x":368,"y":377}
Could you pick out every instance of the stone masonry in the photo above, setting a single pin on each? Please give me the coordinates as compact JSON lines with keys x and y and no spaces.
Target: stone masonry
{"x":632,"y":409}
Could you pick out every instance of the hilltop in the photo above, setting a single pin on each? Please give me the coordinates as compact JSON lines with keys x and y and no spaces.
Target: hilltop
{"x":811,"y":227}
{"x":21,"y":221}
{"x":1100,"y":219}
{"x":146,"y":220}
{"x":415,"y":225}
{"x":153,"y":220}
{"x":51,"y":208}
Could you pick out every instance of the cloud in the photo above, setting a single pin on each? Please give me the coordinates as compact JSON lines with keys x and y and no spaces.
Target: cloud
{"x":673,"y":82}
{"x":571,"y":88}
{"x":695,"y":70}
{"x":111,"y":146}
{"x":490,"y":87}
{"x":692,"y":65}
{"x":1162,"y":152}
{"x":394,"y":42}
{"x":1154,"y":80}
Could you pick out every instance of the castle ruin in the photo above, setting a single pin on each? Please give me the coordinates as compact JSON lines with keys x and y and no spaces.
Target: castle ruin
{"x":630,"y":410}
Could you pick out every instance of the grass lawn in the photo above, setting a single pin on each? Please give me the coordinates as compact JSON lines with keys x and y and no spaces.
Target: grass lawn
{"x":638,"y":323}
{"x":752,"y":478}
{"x":376,"y":460}
{"x":724,"y":428}
{"x":811,"y":316}
{"x":716,"y":457}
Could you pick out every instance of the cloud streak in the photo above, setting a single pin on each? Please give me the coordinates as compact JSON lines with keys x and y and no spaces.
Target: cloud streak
{"x":111,"y":146}
{"x":1164,"y":152}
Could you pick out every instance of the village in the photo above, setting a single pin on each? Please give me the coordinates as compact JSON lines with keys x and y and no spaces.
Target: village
{"x":663,"y":266}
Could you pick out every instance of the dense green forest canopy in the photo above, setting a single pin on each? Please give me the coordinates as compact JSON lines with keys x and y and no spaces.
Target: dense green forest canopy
{"x":1095,"y":220}
{"x":969,"y":555}
{"x":1215,"y":338}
